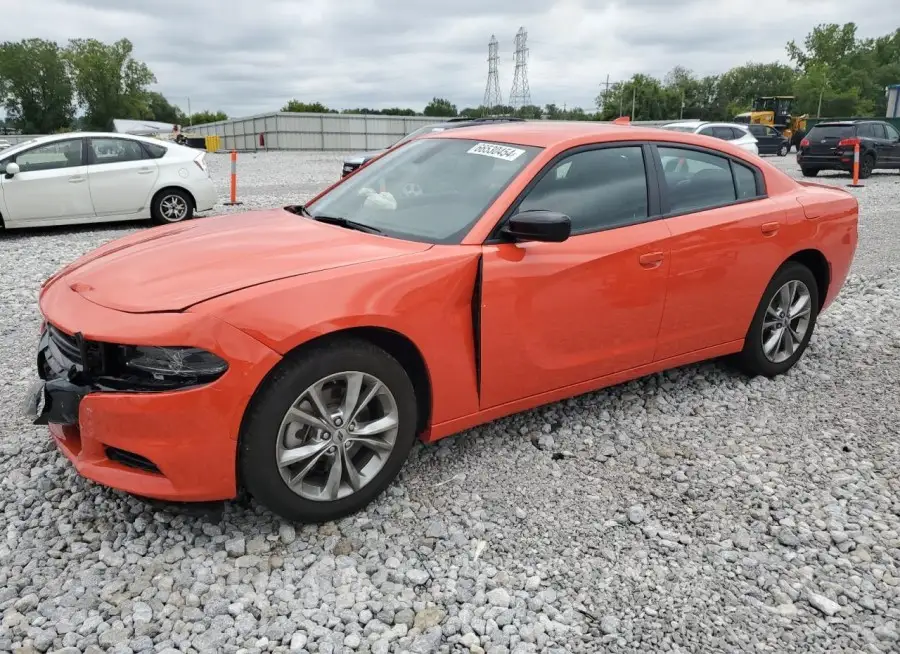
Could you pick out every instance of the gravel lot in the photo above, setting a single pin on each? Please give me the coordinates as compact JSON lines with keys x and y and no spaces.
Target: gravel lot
{"x":695,"y":510}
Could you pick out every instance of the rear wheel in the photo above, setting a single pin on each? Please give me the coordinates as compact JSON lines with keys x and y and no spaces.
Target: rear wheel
{"x":783,"y":149}
{"x":171,"y":205}
{"x":328,"y":432}
{"x":783,"y":322}
{"x":866,"y":166}
{"x":809,"y":172}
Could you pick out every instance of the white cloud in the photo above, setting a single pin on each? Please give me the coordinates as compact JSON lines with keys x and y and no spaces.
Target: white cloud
{"x":247,"y":57}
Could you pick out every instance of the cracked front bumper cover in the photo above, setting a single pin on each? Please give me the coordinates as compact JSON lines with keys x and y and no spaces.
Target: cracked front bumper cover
{"x":55,"y":401}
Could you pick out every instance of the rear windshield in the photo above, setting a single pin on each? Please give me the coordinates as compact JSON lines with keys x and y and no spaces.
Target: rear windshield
{"x":830,"y":132}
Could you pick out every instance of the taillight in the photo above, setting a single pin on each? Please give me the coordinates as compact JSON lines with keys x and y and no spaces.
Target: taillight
{"x":804,"y":143}
{"x":200,"y":160}
{"x":848,"y":143}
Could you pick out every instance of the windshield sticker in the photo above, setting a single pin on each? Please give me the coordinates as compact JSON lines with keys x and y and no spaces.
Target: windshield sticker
{"x":497,"y":151}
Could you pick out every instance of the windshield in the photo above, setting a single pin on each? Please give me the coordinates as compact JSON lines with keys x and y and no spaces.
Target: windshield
{"x":680,"y":128}
{"x":431,"y":190}
{"x":418,"y":132}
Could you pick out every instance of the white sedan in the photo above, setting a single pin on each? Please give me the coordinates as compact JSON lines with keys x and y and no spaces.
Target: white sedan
{"x":88,"y":177}
{"x":734,"y":133}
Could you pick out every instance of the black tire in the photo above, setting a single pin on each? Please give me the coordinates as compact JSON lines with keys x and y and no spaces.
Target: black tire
{"x":866,"y":166}
{"x":752,"y":358}
{"x":163,"y":202}
{"x":809,"y":172}
{"x":259,"y":472}
{"x":783,"y":149}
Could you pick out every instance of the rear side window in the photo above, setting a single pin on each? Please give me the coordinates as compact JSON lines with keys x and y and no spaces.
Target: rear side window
{"x":758,"y":130}
{"x":878,"y":131}
{"x":153,"y":150}
{"x":865,"y":131}
{"x":724,"y":133}
{"x":820,"y":132}
{"x":109,"y":151}
{"x":696,"y":180}
{"x":597,"y":189}
{"x":707,"y":131}
{"x":744,"y":181}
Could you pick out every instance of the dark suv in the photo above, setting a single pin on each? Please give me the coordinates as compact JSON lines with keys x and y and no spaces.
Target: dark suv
{"x":829,"y":146}
{"x":354,"y":161}
{"x":769,"y":140}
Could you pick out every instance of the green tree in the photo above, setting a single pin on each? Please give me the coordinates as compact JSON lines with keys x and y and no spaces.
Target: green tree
{"x":202,"y":117}
{"x":440,"y":107}
{"x":530,"y":111}
{"x":109,"y":82}
{"x":159,"y":109}
{"x":35,"y":87}
{"x":295,"y":106}
{"x":740,"y":85}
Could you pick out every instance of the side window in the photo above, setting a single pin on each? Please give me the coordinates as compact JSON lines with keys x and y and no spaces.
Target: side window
{"x":155,"y":151}
{"x":892,"y":133}
{"x":878,"y":131}
{"x":52,"y":156}
{"x":597,"y":189}
{"x":758,"y":130}
{"x":771,"y":132}
{"x":108,"y":151}
{"x":865,"y":131}
{"x":707,"y":131}
{"x":745,"y":181}
{"x":724,"y":133}
{"x":696,"y":180}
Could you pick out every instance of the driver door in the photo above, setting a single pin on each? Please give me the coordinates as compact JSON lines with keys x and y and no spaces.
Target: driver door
{"x":51,"y":185}
{"x":558,"y":314}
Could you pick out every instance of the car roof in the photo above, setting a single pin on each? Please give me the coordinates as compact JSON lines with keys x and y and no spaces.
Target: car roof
{"x":847,"y":123}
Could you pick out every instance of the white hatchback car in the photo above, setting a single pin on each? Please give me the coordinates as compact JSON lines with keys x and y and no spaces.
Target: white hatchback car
{"x":87,"y":177}
{"x":734,"y":133}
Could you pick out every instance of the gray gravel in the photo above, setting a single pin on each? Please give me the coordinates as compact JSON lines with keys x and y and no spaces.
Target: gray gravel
{"x":695,"y":510}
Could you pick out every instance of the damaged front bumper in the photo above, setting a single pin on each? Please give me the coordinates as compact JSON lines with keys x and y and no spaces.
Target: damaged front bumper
{"x":56,"y":397}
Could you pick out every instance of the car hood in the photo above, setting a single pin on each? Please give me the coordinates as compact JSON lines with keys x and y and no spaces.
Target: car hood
{"x":174,"y":267}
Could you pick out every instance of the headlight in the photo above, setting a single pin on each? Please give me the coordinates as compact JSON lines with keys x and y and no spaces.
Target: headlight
{"x":355,"y":161}
{"x":173,"y":366}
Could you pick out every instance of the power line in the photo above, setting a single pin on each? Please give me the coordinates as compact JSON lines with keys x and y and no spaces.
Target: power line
{"x":492,"y":97}
{"x":520,"y":95}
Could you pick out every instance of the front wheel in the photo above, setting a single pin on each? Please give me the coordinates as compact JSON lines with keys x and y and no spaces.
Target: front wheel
{"x":328,"y":432}
{"x":171,"y":205}
{"x":783,"y":150}
{"x":783,"y":322}
{"x":809,"y":172}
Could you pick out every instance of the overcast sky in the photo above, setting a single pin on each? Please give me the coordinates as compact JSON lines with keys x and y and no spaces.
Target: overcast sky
{"x":250,"y":56}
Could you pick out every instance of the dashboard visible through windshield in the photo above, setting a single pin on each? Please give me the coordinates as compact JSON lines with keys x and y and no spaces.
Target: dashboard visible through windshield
{"x":431,"y":190}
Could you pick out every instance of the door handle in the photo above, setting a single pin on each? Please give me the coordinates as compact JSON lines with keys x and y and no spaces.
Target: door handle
{"x":651,"y":259}
{"x":76,"y":179}
{"x":769,"y":229}
{"x":145,"y":171}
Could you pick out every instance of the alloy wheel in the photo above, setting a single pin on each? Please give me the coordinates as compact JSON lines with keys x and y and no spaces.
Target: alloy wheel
{"x":786,"y":321}
{"x":173,"y":208}
{"x":337,"y":436}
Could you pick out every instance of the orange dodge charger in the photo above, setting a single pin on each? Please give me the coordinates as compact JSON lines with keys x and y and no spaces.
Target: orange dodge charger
{"x":296,"y":353}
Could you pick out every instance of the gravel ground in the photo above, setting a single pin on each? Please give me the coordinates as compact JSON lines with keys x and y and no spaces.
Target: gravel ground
{"x":695,"y":510}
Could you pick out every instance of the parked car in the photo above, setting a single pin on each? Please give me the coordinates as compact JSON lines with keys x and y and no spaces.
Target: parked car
{"x":769,"y":140}
{"x":731,"y":132}
{"x":4,"y":144}
{"x":93,"y":177}
{"x":296,"y":353}
{"x":354,"y":161}
{"x":830,"y":145}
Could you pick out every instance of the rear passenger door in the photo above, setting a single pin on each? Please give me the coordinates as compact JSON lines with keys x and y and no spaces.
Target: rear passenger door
{"x":893,"y":137}
{"x":725,"y":246}
{"x":121,"y":176}
{"x":884,"y":148}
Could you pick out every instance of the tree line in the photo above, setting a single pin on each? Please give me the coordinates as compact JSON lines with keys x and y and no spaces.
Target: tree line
{"x":832,"y":73}
{"x":43,"y":84}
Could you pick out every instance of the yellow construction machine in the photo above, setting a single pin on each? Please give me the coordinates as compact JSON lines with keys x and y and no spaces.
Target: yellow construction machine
{"x":775,"y":111}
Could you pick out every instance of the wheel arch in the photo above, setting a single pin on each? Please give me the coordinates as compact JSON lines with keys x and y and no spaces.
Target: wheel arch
{"x":172,"y":187}
{"x":818,"y":266}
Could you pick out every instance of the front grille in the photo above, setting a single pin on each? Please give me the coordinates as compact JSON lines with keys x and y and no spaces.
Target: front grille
{"x":131,"y":460}
{"x":63,"y":352}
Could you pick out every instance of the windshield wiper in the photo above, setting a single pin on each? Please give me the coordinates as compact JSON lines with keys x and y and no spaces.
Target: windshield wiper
{"x":344,"y":222}
{"x":298,"y":209}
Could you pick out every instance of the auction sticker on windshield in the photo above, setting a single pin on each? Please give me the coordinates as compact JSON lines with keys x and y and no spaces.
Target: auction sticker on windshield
{"x":497,"y":151}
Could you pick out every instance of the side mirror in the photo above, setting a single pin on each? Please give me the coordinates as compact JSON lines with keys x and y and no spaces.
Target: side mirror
{"x":538,"y":225}
{"x":12,"y":169}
